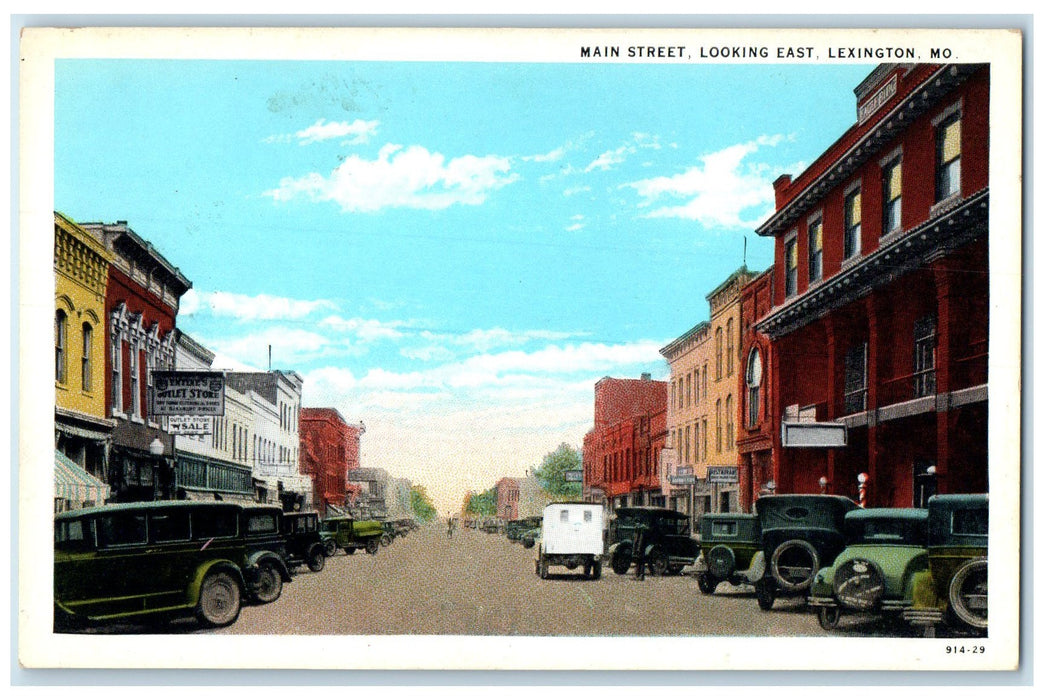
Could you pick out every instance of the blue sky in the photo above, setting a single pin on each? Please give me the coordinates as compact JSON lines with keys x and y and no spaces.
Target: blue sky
{"x":452,"y":253}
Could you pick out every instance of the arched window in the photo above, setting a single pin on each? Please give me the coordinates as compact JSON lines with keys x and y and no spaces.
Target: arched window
{"x":753,"y":379}
{"x":85,"y":358}
{"x":60,"y":340}
{"x":730,"y":349}
{"x":717,"y":353}
{"x":730,"y":424}
{"x":717,"y":425}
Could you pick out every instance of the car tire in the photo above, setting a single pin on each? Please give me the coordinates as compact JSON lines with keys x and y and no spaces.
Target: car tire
{"x":721,"y":561}
{"x":765,"y":593}
{"x":330,"y":548}
{"x":968,"y":586}
{"x":858,"y":584}
{"x":596,"y":570}
{"x":385,"y":540}
{"x":372,"y":546}
{"x":316,"y":559}
{"x":349,"y":550}
{"x":269,"y":583}
{"x":658,"y":561}
{"x":219,"y":600}
{"x":829,"y":617}
{"x":621,"y":561}
{"x":794,"y":565}
{"x":707,"y":583}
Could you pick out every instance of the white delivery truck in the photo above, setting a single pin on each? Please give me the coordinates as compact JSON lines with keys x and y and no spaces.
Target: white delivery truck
{"x":571,"y":536}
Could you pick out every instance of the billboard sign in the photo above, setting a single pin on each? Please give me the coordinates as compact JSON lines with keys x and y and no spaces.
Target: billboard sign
{"x":190,"y":425}
{"x":723,"y":475}
{"x":182,"y":393}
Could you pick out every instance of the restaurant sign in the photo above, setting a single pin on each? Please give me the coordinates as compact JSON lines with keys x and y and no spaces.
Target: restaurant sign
{"x":185,"y":393}
{"x":723,"y":475}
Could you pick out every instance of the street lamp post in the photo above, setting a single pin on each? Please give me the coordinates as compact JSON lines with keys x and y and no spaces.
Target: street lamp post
{"x":156,"y":450}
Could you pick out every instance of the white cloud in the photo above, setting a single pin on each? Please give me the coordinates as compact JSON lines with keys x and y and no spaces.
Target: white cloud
{"x":410,"y":177}
{"x":576,"y":190}
{"x":364,"y":329}
{"x":260,"y":307}
{"x":549,"y":157}
{"x":719,"y":191}
{"x":357,"y":132}
{"x":610,"y":158}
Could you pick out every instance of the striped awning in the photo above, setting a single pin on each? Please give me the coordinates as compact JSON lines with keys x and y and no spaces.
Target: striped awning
{"x":73,"y":483}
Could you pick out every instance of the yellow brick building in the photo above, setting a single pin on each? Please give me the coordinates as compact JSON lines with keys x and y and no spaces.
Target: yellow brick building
{"x":81,"y":271}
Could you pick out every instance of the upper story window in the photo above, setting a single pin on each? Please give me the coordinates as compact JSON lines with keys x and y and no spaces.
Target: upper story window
{"x":815,"y":250}
{"x":117,"y":373}
{"x":924,"y":356}
{"x":730,"y":348}
{"x":892,"y":195}
{"x":696,"y":386}
{"x":790,"y":267}
{"x":855,"y":379}
{"x":717,"y":353}
{"x":853,"y":223}
{"x":85,"y":357}
{"x":61,"y":323}
{"x":948,"y":156}
{"x":717,"y":425}
{"x":135,"y":381}
{"x":754,"y":371}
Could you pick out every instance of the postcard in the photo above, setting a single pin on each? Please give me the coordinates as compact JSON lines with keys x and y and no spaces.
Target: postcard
{"x":508,"y":349}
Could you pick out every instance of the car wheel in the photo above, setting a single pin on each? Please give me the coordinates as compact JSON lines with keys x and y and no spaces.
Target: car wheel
{"x":858,"y":584}
{"x":721,"y":561}
{"x":707,"y":583}
{"x":349,"y":550}
{"x":596,"y":570}
{"x":385,"y":541}
{"x":330,"y":548}
{"x":269,"y":584}
{"x":372,"y":546}
{"x":794,"y":565}
{"x":968,"y":594}
{"x":542,"y":567}
{"x":621,"y":560}
{"x":658,"y":562}
{"x":316,"y":559}
{"x":829,"y":617}
{"x":219,"y":600}
{"x":765,"y":593}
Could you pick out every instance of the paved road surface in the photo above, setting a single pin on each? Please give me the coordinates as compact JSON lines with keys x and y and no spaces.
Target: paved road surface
{"x":480,"y":584}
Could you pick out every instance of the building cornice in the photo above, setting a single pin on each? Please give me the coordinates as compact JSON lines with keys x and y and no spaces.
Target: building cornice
{"x":941,"y":235}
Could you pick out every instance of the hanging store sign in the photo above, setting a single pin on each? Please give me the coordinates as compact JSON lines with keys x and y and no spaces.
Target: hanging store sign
{"x":814,"y":435}
{"x":723,"y":475}
{"x":190,"y":425}
{"x":183,"y":393}
{"x":574,"y":475}
{"x":684,"y":471}
{"x":683,"y":480}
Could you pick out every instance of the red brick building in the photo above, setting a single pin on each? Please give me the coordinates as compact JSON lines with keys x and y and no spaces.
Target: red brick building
{"x":879,"y":299}
{"x":755,"y":424}
{"x":141,"y":304}
{"x":508,"y":494}
{"x":329,"y":450}
{"x":622,"y":453}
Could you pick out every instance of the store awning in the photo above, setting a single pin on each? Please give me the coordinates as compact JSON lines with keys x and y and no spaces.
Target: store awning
{"x":73,"y":483}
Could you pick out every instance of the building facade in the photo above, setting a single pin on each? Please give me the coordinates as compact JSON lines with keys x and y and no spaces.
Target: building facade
{"x":82,"y":428}
{"x":508,"y":495}
{"x":214,"y":465}
{"x":325,"y":438}
{"x":141,"y":304}
{"x":879,"y":315}
{"x":621,"y":454}
{"x":755,"y":423}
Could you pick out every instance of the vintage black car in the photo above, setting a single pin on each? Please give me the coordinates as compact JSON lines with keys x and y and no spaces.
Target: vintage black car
{"x":266,"y":570}
{"x":729,"y":548}
{"x":304,"y":545}
{"x":668,"y":546}
{"x":799,"y":534}
{"x":885,"y":548}
{"x":163,"y":558}
{"x":953,"y":591}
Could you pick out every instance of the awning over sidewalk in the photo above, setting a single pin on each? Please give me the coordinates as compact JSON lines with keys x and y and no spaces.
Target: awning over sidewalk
{"x":73,"y":483}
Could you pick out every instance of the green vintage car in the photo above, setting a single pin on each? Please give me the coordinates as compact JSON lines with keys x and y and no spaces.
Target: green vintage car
{"x":953,"y":591}
{"x":160,"y":558}
{"x":799,"y":534}
{"x":265,"y":567}
{"x":350,"y":534}
{"x":885,"y":549}
{"x":304,"y":544}
{"x":730,"y":550}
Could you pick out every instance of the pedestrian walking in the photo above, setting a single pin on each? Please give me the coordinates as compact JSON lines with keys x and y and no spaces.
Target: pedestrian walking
{"x":638,"y":552}
{"x":449,"y":531}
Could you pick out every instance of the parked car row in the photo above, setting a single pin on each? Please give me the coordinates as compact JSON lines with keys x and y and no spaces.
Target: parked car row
{"x":927,"y":566}
{"x":169,"y":558}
